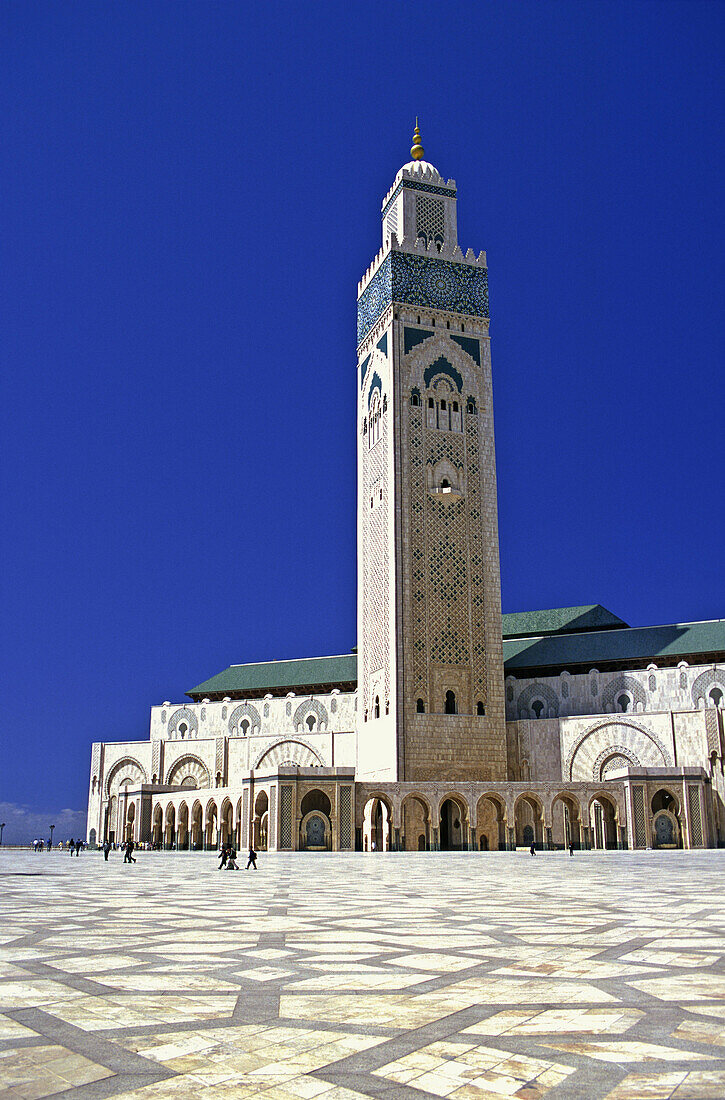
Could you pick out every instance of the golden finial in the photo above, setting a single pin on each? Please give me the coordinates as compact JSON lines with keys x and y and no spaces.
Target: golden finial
{"x":417,"y":152}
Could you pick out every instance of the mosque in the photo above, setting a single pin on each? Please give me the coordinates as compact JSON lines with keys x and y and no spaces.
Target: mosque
{"x":450,"y":726}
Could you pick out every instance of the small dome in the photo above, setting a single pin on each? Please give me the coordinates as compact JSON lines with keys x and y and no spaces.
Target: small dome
{"x":421,"y":167}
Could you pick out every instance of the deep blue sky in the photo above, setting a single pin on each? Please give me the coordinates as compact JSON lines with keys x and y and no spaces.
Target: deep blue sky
{"x":190,"y":193}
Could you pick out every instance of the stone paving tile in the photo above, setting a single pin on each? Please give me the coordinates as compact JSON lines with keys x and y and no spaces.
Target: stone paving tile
{"x":391,"y":977}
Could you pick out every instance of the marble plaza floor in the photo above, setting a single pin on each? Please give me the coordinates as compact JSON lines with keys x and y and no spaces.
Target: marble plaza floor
{"x":472,"y":976}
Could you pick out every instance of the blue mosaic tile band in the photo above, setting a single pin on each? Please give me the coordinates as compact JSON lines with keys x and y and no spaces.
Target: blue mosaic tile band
{"x":417,"y":185}
{"x":375,"y":299}
{"x":422,"y":281}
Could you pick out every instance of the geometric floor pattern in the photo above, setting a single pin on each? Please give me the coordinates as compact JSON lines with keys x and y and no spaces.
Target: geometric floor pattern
{"x":475,"y":976}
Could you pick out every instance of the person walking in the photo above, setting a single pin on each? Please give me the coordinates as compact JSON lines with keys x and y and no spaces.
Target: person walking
{"x":571,"y":847}
{"x":72,"y":845}
{"x":50,"y":844}
{"x":106,"y":849}
{"x":128,"y":857}
{"x":232,"y":864}
{"x":79,"y":845}
{"x":532,"y":849}
{"x":252,"y":861}
{"x":224,"y":853}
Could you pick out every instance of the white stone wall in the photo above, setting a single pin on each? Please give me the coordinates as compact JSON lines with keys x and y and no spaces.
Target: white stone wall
{"x":307,"y":715}
{"x":653,"y":689}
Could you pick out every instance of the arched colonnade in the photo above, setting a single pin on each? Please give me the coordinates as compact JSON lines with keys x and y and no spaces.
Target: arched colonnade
{"x":460,"y":819}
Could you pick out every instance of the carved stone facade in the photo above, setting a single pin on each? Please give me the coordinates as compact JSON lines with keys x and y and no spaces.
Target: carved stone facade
{"x":434,"y":749}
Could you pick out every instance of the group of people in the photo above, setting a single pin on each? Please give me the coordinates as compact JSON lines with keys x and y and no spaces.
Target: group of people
{"x":75,"y":847}
{"x":228,"y":856}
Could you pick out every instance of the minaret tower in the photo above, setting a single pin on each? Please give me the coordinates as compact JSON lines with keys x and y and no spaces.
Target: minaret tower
{"x":430,"y":665}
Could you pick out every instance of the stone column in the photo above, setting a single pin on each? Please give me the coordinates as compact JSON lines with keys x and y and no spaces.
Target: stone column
{"x":549,"y":842}
{"x":512,"y":839}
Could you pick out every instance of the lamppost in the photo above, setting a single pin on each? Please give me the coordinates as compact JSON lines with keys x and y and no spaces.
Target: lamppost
{"x":2,"y":826}
{"x":51,"y":835}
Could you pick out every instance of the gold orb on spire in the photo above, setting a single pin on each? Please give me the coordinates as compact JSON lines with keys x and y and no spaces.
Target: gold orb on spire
{"x":417,"y":152}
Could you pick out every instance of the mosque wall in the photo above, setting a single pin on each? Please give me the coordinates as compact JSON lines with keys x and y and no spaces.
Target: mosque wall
{"x":686,"y":687}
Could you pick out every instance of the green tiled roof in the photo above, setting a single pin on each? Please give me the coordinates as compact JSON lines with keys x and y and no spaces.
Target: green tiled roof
{"x":635,"y":644}
{"x":559,"y":620}
{"x":280,"y":676}
{"x":549,"y":652}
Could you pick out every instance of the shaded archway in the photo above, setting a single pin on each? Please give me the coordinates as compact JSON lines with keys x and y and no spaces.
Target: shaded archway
{"x":129,"y":832}
{"x":315,"y":822}
{"x":666,"y":820}
{"x":211,"y":827}
{"x":377,"y":825}
{"x":566,"y":821}
{"x":157,"y":832}
{"x":170,"y":828}
{"x":226,"y":822}
{"x":453,"y":824}
{"x":602,"y":822}
{"x":197,"y":827}
{"x":528,"y":821}
{"x":182,"y":836}
{"x":416,"y":823}
{"x":261,"y":821}
{"x":491,"y":823}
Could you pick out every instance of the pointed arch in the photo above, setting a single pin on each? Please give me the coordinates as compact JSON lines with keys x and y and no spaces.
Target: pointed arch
{"x":128,"y":769}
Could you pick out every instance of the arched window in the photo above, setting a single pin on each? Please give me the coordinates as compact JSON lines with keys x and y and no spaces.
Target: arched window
{"x":480,"y":709}
{"x":377,"y":706}
{"x":537,"y":706}
{"x":470,"y":405}
{"x":623,"y":703}
{"x":182,"y":729}
{"x":415,"y":399}
{"x":455,"y":406}
{"x":451,"y":707}
{"x":716,"y":697}
{"x":445,"y":484}
{"x":431,"y":403}
{"x":443,"y":404}
{"x":245,"y":727}
{"x":420,"y":706}
{"x":310,"y":720}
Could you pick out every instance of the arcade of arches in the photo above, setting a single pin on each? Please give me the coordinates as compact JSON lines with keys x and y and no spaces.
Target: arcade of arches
{"x":330,"y":812}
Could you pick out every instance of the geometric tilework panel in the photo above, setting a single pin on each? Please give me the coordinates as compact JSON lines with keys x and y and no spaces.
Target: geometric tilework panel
{"x":285,"y":817}
{"x":640,"y":830}
{"x":375,"y":552}
{"x":424,"y":281}
{"x":345,"y":817}
{"x":693,"y":802}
